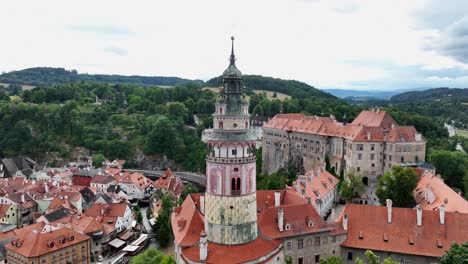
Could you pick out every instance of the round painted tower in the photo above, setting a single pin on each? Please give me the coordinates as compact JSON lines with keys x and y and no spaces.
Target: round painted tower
{"x":230,"y":198}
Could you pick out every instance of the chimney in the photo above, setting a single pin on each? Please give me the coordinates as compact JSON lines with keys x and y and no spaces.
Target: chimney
{"x":442,"y":214}
{"x":202,"y":204}
{"x":368,"y":136}
{"x":389,"y":209}
{"x":419,"y":215}
{"x":333,"y":214}
{"x":203,"y":246}
{"x":418,"y":137}
{"x":22,"y":198}
{"x":277,"y":198}
{"x":280,"y":219}
{"x":345,"y":222}
{"x":393,"y":125}
{"x":102,"y":211}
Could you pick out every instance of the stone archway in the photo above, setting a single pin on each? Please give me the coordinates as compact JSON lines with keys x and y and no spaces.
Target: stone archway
{"x":365,"y":180}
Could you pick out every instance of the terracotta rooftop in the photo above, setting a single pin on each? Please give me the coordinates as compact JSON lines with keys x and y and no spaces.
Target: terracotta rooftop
{"x":374,"y":119}
{"x":402,"y":134}
{"x":189,"y":234}
{"x":369,"y":126}
{"x":113,"y":210}
{"x":102,"y":179}
{"x":403,"y":235}
{"x":234,"y":253}
{"x":4,"y":209}
{"x":296,"y":216}
{"x":138,"y":179}
{"x":315,"y":184}
{"x":37,"y":242}
{"x":431,"y":192}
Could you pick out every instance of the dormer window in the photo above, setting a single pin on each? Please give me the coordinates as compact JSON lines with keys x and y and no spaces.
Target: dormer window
{"x":287,"y":227}
{"x":310,"y":224}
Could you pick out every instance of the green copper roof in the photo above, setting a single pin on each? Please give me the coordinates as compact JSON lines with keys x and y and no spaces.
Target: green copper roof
{"x":231,"y":136}
{"x":232,"y":71}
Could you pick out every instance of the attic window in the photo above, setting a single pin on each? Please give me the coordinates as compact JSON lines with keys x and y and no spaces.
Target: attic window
{"x":439,"y":243}
{"x":361,"y":235}
{"x":50,"y":244}
{"x":410,"y":240}
{"x":71,"y":238}
{"x":385,"y":237}
{"x":311,"y":224}
{"x":287,"y":227}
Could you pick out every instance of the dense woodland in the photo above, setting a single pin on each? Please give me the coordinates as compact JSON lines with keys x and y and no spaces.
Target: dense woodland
{"x":50,"y":121}
{"x":45,"y":76}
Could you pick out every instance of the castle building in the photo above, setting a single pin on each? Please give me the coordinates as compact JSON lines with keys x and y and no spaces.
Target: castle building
{"x":369,"y":146}
{"x":229,"y":206}
{"x":233,"y":223}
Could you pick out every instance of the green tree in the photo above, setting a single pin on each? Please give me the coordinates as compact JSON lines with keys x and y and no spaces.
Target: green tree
{"x":452,"y":165}
{"x":352,"y":186}
{"x":398,"y":185}
{"x":4,"y":96}
{"x":177,"y":110}
{"x":162,"y":227}
{"x":456,"y":254}
{"x":189,"y":188}
{"x":152,"y":256}
{"x":98,"y":159}
{"x":258,"y":110}
{"x":332,"y":260}
{"x":371,"y":258}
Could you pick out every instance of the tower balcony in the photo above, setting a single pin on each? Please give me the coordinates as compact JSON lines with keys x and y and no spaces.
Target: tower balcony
{"x":231,"y":160}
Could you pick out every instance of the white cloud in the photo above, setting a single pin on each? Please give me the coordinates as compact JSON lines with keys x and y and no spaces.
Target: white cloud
{"x":304,"y":40}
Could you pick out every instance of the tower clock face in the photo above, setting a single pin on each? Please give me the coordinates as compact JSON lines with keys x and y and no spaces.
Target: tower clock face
{"x":234,"y":125}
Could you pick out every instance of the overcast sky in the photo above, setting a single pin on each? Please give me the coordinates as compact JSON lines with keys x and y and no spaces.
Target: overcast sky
{"x":328,"y":44}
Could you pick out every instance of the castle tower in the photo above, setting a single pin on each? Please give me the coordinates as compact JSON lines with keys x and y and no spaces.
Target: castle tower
{"x":230,"y":198}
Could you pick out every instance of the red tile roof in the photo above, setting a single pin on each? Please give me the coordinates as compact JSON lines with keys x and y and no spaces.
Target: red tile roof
{"x":297,"y":216}
{"x":4,"y":209}
{"x":374,"y":119}
{"x":315,"y":185}
{"x":36,"y":242}
{"x":137,"y":178}
{"x":402,"y":134}
{"x":442,"y":194}
{"x":369,"y":126}
{"x":113,"y":210}
{"x":189,"y":234}
{"x":102,"y":179}
{"x":218,"y":253}
{"x":371,"y":221}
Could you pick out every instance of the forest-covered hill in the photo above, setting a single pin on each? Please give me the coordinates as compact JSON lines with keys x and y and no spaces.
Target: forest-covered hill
{"x":433,"y":95}
{"x":45,"y":76}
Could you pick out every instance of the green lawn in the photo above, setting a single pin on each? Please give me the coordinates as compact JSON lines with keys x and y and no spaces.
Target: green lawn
{"x":463,"y":133}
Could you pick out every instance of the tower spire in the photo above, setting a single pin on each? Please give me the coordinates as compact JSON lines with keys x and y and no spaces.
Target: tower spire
{"x":232,"y":59}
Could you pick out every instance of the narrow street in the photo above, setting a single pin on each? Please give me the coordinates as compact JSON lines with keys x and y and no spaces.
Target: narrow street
{"x":148,"y":229}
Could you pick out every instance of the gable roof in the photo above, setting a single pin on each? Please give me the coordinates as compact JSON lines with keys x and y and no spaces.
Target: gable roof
{"x":402,"y":134}
{"x":374,"y":119}
{"x":37,"y":241}
{"x":438,"y":193}
{"x":371,"y":223}
{"x":113,"y":210}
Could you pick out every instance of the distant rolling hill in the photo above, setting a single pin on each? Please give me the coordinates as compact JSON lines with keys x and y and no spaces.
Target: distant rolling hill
{"x":368,"y":94}
{"x":45,"y":76}
{"x":293,"y":88}
{"x":432,"y":95}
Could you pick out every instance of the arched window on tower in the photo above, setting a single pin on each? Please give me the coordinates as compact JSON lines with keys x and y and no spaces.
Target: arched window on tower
{"x":220,"y":126}
{"x":235,"y":186}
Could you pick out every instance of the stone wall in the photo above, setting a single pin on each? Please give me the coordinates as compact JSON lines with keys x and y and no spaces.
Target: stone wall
{"x":231,"y":220}
{"x":314,"y":246}
{"x":349,"y":256}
